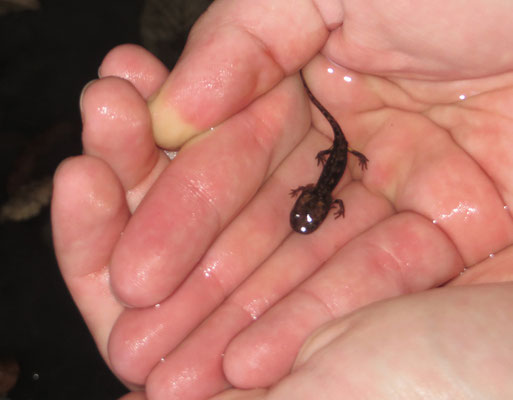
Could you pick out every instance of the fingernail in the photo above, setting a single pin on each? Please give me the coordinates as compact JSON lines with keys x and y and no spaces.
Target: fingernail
{"x":170,"y":131}
{"x":84,"y":89}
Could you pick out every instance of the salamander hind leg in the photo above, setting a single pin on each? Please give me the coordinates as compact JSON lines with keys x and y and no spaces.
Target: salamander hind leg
{"x":341,"y":209}
{"x":362,"y":160}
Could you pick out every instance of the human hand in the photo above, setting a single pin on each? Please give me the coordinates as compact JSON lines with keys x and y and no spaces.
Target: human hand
{"x":442,"y":343}
{"x":407,"y":128}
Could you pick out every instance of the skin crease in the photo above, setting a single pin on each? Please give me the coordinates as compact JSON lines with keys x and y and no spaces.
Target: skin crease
{"x":433,"y":158}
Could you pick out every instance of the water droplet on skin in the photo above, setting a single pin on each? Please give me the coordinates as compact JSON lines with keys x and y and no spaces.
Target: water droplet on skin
{"x":435,"y":221}
{"x":491,"y":255}
{"x":170,"y":154}
{"x":462,"y":209}
{"x":462,"y":97}
{"x":212,"y":128}
{"x":347,"y":78}
{"x":157,"y":306}
{"x":104,"y":110}
{"x":210,"y":269}
{"x":506,"y":207}
{"x":162,"y":359}
{"x":256,"y":307}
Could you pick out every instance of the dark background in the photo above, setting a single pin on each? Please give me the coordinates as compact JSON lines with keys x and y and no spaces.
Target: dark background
{"x":48,"y":50}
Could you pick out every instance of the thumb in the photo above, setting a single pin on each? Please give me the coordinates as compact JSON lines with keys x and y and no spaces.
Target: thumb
{"x":238,"y":50}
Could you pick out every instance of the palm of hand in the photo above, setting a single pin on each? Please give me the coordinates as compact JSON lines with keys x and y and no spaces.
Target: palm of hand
{"x":433,"y":157}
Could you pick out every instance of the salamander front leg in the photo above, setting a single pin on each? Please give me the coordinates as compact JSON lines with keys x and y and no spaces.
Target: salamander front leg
{"x":299,"y":190}
{"x":362,"y":160}
{"x":341,"y":209}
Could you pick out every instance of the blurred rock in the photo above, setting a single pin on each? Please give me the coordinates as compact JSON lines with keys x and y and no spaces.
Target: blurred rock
{"x":10,"y":6}
{"x":28,"y":201}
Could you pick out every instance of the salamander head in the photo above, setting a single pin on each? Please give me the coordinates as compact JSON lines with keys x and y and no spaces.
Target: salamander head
{"x":309,"y":211}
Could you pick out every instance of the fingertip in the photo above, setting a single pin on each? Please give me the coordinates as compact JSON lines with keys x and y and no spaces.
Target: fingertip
{"x":61,"y":176}
{"x":85,"y":193}
{"x":136,"y":65}
{"x":117,"y":129}
{"x":111,"y":99}
{"x":263,"y":353}
{"x":135,"y":344}
{"x":82,"y":93}
{"x":132,"y":280}
{"x":170,"y":131}
{"x":245,"y":364}
{"x":236,"y":372}
{"x":63,"y":167}
{"x":165,"y":383}
{"x":217,"y":76}
{"x":193,"y":369}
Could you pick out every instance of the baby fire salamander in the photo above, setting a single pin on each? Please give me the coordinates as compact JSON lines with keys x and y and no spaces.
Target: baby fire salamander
{"x":315,"y":201}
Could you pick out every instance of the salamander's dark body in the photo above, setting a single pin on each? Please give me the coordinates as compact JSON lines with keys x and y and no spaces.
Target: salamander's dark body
{"x":315,"y":201}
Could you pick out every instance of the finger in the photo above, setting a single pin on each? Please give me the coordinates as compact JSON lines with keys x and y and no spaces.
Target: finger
{"x":136,"y":65}
{"x":88,"y":215}
{"x":194,"y":370}
{"x":376,"y":350}
{"x":403,"y":254}
{"x":203,"y":189}
{"x":237,"y":51}
{"x":117,"y":129}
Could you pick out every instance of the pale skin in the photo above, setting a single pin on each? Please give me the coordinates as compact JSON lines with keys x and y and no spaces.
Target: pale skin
{"x":424,"y":89}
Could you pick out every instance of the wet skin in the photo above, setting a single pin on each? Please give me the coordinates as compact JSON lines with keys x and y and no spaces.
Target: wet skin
{"x":315,"y":201}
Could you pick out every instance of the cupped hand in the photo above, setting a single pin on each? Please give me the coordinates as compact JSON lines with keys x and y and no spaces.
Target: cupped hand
{"x":200,"y":247}
{"x":443,"y":343}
